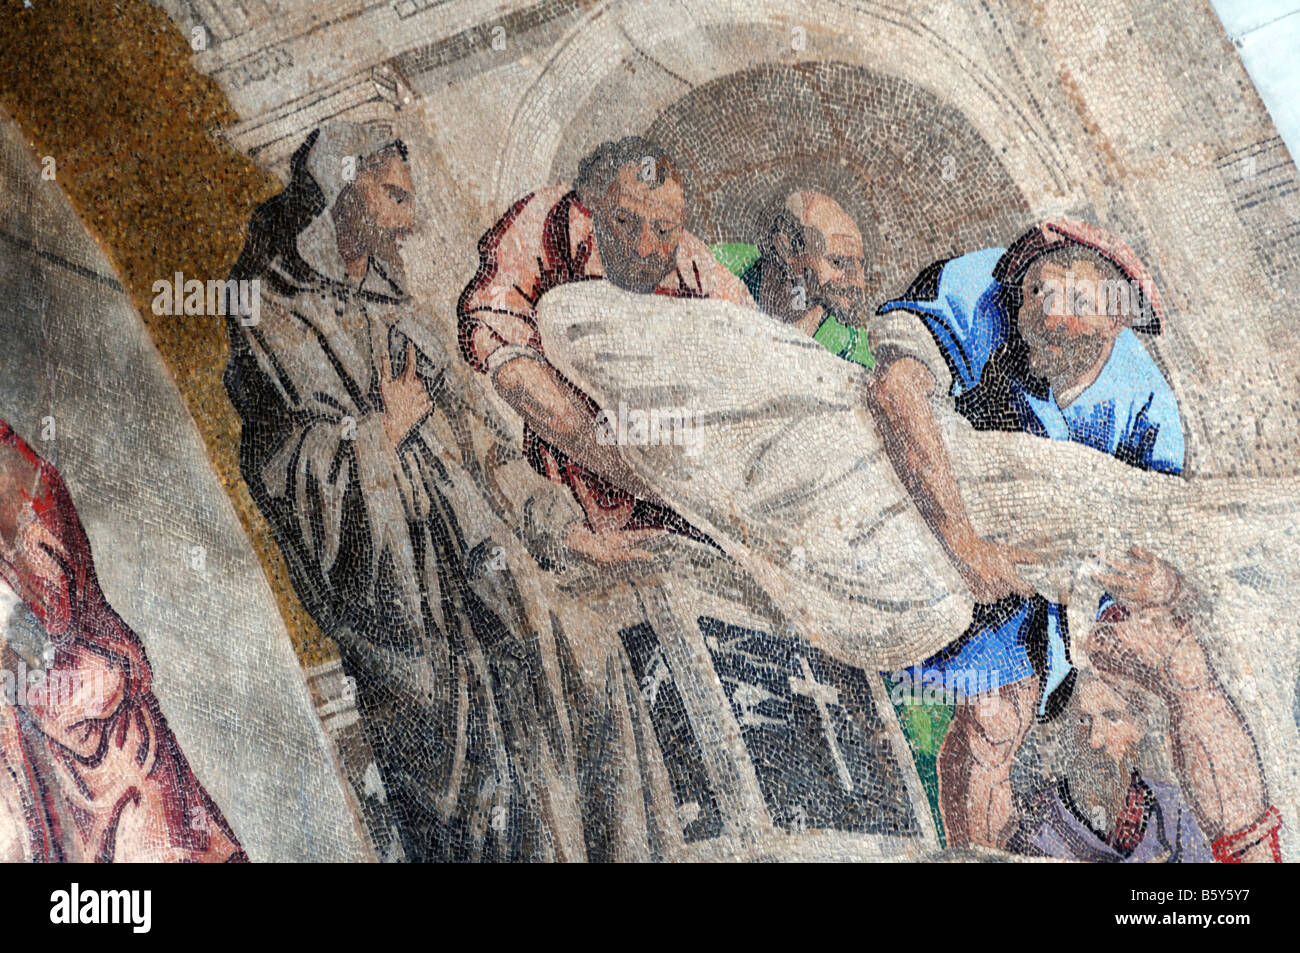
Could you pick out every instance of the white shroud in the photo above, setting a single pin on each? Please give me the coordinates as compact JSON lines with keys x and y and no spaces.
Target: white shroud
{"x":782,"y":466}
{"x":785,"y":470}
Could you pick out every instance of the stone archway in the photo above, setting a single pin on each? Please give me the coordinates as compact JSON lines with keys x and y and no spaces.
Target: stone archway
{"x":626,"y":64}
{"x":912,"y":170}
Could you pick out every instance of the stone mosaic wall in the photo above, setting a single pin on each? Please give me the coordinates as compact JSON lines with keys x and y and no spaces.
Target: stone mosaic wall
{"x":645,"y":431}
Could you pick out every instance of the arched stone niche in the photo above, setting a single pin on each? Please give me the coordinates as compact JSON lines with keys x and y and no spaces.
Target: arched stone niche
{"x":625,"y":65}
{"x":913,"y":171}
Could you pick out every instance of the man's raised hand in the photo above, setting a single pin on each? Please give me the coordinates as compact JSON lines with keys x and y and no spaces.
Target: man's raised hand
{"x":406,"y":399}
{"x":1142,"y":647}
{"x":1140,"y":580}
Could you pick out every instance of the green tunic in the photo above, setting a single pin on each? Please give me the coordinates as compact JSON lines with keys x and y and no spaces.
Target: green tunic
{"x":844,"y":341}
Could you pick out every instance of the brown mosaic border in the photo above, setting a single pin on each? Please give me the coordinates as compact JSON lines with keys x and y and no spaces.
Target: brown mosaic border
{"x":108,"y":90}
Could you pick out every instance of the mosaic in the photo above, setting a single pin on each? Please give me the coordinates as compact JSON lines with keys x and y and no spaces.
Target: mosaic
{"x":623,"y":431}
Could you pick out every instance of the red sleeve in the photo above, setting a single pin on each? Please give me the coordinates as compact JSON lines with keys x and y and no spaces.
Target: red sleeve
{"x":56,"y":577}
{"x":1229,"y":848}
{"x":503,"y":293}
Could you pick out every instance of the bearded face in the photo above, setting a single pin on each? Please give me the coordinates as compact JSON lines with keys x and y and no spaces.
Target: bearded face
{"x":638,"y":224}
{"x":376,"y":211}
{"x":1099,"y":785}
{"x":821,"y":252}
{"x":1063,"y":320}
{"x":1099,"y":745}
{"x":833,"y":272}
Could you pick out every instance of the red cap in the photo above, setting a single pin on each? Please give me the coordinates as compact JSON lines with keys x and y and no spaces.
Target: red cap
{"x":1060,"y":232}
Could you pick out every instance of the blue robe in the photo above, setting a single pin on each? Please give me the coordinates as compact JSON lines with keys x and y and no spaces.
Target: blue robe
{"x":1128,"y":412}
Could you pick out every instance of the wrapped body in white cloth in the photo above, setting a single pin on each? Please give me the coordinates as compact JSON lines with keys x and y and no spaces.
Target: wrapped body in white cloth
{"x":775,"y":457}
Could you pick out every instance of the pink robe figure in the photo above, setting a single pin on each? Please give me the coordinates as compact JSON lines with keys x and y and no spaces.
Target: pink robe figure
{"x":548,"y":239}
{"x":89,"y":770}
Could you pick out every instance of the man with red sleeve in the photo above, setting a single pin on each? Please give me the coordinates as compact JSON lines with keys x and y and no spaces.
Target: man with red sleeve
{"x":622,"y":220}
{"x":89,"y":770}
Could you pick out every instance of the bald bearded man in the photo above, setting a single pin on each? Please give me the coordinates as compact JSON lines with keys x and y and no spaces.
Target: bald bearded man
{"x":811,"y":272}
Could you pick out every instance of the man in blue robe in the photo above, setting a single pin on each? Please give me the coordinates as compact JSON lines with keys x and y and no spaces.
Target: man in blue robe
{"x":1038,"y":337}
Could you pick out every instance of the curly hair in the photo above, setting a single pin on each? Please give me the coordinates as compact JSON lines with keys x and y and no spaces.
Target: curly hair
{"x":599,"y":168}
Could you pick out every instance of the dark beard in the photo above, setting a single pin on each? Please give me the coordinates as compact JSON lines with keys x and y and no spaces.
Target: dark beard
{"x":1098,"y":783}
{"x":1011,"y":361}
{"x":358,"y":234}
{"x":629,"y":272}
{"x":383,"y":244}
{"x":849,"y":305}
{"x":388,"y":255}
{"x":1077,"y":355}
{"x":641,"y":281}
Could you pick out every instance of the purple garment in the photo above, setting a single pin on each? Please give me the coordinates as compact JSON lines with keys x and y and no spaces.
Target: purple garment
{"x":1171,"y":834}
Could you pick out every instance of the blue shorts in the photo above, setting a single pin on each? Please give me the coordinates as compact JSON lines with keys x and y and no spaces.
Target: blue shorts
{"x":995,"y":651}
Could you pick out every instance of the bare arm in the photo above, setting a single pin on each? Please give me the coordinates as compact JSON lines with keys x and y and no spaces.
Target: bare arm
{"x":561,"y":417}
{"x":498,"y":310}
{"x":1156,"y":648}
{"x":1214,"y":754}
{"x":899,"y":399}
{"x":975,"y":792}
